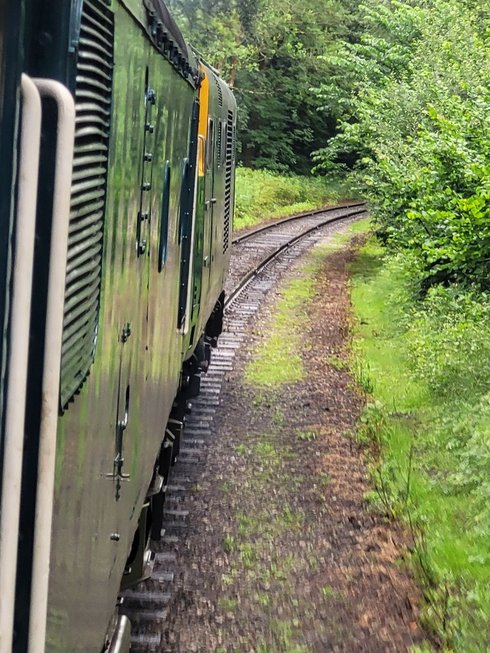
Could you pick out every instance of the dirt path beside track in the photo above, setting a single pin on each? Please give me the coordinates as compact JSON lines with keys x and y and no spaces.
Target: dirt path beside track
{"x":283,"y":555}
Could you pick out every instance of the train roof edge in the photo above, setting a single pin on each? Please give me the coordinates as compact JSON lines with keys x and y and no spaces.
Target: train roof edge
{"x":161,"y":28}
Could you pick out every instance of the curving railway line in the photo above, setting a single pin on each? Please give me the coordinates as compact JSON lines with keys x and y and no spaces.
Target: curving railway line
{"x":259,"y":259}
{"x":254,"y":250}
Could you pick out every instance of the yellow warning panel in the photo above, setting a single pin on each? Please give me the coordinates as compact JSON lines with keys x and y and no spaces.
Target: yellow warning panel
{"x":203,"y":103}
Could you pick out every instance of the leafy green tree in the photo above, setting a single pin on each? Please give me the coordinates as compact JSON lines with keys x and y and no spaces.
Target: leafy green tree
{"x":413,"y":124}
{"x":270,"y":51}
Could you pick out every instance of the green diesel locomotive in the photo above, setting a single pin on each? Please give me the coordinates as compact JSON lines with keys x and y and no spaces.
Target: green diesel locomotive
{"x":117,"y":157}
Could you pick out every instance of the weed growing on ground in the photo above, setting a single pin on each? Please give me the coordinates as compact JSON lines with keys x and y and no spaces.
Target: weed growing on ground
{"x":357,"y":228}
{"x":229,"y":544}
{"x":329,"y":593}
{"x":337,"y":363}
{"x":306,"y":436}
{"x":228,"y":486}
{"x":263,"y":599}
{"x":228,"y":604}
{"x":323,"y":479}
{"x":241,"y":449}
{"x":291,"y":519}
{"x":363,"y":378}
{"x":265,"y":450}
{"x":428,"y":370}
{"x":248,"y":525}
{"x":283,"y":634}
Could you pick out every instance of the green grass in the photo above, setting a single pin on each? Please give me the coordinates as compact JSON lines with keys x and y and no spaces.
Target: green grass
{"x":329,"y":593}
{"x":428,"y":370}
{"x":283,"y":634}
{"x":357,"y":228}
{"x":228,"y":604}
{"x":306,"y":436}
{"x":278,"y":361}
{"x":263,"y":195}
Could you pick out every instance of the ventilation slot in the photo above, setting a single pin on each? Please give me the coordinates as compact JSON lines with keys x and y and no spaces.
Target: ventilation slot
{"x":228,"y":179}
{"x":220,"y":92}
{"x":93,"y":97}
{"x":219,"y":144}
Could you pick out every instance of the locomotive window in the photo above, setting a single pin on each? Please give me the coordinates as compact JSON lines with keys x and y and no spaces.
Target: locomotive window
{"x":163,"y":246}
{"x":201,"y":157}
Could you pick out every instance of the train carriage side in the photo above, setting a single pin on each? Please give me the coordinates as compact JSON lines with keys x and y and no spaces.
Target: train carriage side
{"x":215,"y":198}
{"x":222,"y":121}
{"x":132,"y":203}
{"x":112,"y":432}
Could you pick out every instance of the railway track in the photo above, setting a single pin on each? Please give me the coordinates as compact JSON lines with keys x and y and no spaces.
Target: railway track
{"x":262,"y":262}
{"x":255,"y":250}
{"x":269,"y":226}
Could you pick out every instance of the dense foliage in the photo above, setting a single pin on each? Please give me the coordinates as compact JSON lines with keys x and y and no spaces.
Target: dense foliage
{"x":272,"y":53}
{"x":413,"y":102}
{"x":426,"y":365}
{"x":412,"y":99}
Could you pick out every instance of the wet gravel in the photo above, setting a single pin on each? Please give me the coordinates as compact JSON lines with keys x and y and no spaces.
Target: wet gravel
{"x":269,"y":546}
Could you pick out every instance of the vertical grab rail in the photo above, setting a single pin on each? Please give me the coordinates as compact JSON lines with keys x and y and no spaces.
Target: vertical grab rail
{"x":52,"y":359}
{"x":30,"y":138}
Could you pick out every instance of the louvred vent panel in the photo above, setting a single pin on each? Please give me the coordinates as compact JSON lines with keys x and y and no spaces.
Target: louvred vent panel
{"x":93,"y":99}
{"x":220,"y":92}
{"x":230,"y":151}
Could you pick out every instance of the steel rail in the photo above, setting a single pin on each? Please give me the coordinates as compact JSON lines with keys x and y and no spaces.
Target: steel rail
{"x":292,"y":218}
{"x":292,"y":241}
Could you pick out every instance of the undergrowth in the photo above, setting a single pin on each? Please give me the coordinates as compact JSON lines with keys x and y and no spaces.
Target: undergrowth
{"x":425,"y":364}
{"x":263,"y":195}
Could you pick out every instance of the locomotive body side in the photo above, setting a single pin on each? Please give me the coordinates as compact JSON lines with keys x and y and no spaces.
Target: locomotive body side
{"x":215,"y":188}
{"x":136,"y":370}
{"x":147,"y":256}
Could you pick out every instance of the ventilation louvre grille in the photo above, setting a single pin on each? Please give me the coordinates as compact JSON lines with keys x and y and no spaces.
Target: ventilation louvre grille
{"x":93,"y":98}
{"x":220,"y":92}
{"x":219,"y":145}
{"x":230,"y":147}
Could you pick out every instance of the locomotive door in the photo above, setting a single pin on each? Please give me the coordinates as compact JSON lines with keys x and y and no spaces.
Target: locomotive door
{"x":210,"y":196}
{"x":133,"y":313}
{"x":187,"y":223}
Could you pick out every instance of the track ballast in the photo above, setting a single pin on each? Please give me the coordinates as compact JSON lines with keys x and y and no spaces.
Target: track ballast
{"x":262,"y":260}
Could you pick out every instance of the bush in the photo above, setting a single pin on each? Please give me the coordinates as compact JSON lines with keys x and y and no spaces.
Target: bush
{"x":418,"y":121}
{"x":428,"y":364}
{"x":449,"y":342}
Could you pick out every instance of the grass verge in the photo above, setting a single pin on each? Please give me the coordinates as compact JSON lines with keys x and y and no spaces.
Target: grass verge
{"x":278,"y":361}
{"x":263,"y":195}
{"x":426,"y":366}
